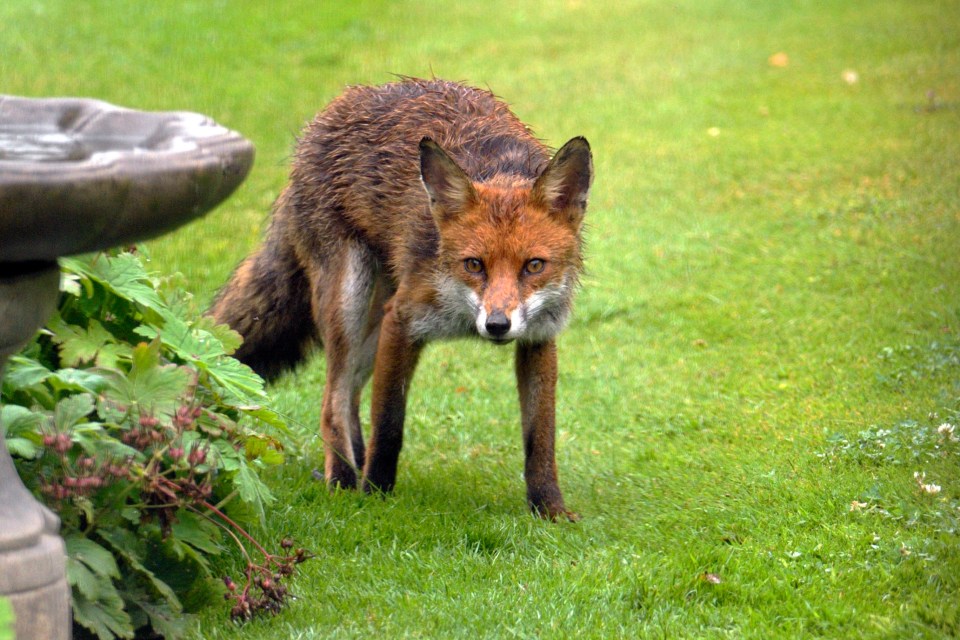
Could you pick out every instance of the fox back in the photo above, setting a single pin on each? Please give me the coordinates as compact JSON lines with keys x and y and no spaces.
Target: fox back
{"x":360,"y":172}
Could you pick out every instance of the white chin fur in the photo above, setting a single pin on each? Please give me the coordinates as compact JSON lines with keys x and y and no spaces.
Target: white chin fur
{"x":540,"y":317}
{"x":460,"y":313}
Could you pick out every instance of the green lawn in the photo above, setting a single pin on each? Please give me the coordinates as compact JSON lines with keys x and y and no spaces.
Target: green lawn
{"x":765,"y":344}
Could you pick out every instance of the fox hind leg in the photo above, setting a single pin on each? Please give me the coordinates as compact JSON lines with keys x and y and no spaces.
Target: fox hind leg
{"x":345,"y":293}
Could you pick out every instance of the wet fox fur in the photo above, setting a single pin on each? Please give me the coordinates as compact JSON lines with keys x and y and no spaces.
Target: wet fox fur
{"x":416,"y":210}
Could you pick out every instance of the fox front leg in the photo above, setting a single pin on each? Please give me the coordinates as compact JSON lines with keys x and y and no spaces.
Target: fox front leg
{"x":396,"y":359}
{"x":536,"y":366}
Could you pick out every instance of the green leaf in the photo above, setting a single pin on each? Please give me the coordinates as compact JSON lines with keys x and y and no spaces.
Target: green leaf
{"x":145,"y":610}
{"x":16,"y":420}
{"x":23,"y":448}
{"x":197,"y":532}
{"x":111,"y":353}
{"x":239,"y":383}
{"x":72,"y":410}
{"x":104,"y":616}
{"x":126,"y":545}
{"x":149,"y":384}
{"x":97,"y":558}
{"x":166,"y":621}
{"x":79,"y":345}
{"x":227,"y":457}
{"x":252,"y":490}
{"x":77,"y":380}
{"x":272,"y":418}
{"x":263,"y":448}
{"x":123,"y":275}
{"x":70,"y":284}
{"x":6,"y":620}
{"x":81,"y":578}
{"x":99,"y":443}
{"x":24,"y":372}
{"x":229,"y":339}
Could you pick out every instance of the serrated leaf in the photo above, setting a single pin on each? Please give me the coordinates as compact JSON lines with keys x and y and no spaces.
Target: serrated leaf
{"x":252,"y":490}
{"x":199,"y":533}
{"x":96,"y":557}
{"x":97,"y":442}
{"x":179,"y":336}
{"x":72,"y":410}
{"x":163,"y":619}
{"x":145,"y":610}
{"x":16,"y":420}
{"x":24,"y":372}
{"x":126,"y":545}
{"x":111,"y":353}
{"x":227,"y":457}
{"x":82,"y":579}
{"x":123,"y":275}
{"x":105,"y":616}
{"x":149,"y":384}
{"x":268,"y":416}
{"x":77,"y":380}
{"x":78,"y":344}
{"x":23,"y":448}
{"x":70,"y":284}
{"x":263,"y":448}
{"x":229,"y":339}
{"x":239,"y":383}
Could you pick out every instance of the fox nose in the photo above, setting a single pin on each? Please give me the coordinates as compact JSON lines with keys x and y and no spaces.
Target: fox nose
{"x":497,"y":324}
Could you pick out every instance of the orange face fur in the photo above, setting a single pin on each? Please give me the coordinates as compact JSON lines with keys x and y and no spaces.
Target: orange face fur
{"x":509,"y":252}
{"x":517,"y":261}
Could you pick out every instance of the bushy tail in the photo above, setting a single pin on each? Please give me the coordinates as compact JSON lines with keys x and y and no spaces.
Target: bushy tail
{"x":267,"y":300}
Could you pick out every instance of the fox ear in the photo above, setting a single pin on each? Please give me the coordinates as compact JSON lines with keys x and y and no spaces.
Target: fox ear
{"x":563,"y":186}
{"x":449,"y":187}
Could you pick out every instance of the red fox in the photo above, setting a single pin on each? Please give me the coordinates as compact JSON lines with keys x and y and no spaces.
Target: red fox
{"x":416,"y":210}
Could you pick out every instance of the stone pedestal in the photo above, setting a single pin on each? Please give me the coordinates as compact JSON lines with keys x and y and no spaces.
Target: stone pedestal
{"x":32,"y":556}
{"x":77,"y":176}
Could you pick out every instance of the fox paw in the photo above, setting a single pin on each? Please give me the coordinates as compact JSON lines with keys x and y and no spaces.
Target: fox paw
{"x":347,"y":480}
{"x":555,"y":513}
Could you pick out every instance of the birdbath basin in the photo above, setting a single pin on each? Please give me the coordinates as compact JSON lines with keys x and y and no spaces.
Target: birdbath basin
{"x":77,"y":176}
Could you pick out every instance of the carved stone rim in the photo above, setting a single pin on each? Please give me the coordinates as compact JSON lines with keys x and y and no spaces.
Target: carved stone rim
{"x":79,"y":175}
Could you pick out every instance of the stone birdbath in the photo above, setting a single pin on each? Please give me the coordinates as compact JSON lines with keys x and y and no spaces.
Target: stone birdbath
{"x":78,"y":176}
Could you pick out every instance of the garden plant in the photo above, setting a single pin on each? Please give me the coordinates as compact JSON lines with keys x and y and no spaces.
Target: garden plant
{"x":758,"y":407}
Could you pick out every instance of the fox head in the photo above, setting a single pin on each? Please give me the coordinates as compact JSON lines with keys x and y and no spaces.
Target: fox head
{"x":510,"y":248}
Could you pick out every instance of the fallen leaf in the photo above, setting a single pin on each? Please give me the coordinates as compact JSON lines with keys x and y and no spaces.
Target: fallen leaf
{"x":779,"y":59}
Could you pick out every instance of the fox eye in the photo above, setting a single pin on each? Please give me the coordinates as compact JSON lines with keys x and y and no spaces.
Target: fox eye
{"x":535,"y":266}
{"x":473,"y":265}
